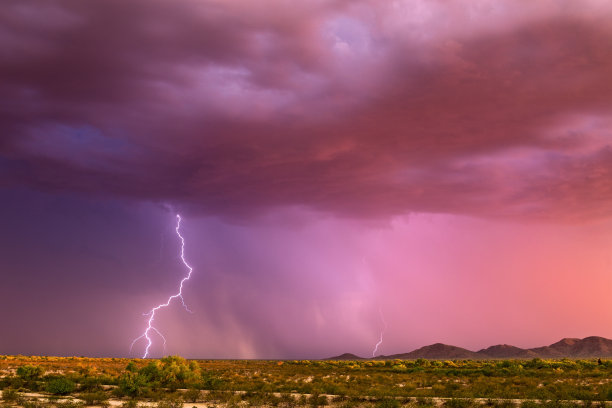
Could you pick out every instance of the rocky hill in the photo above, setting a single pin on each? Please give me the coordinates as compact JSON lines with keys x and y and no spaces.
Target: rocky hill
{"x":588,"y":347}
{"x":436,"y":351}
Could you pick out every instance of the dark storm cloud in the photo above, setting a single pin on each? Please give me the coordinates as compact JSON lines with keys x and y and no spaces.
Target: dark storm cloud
{"x":231,"y":108}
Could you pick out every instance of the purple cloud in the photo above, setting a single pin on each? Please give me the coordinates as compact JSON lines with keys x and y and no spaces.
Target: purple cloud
{"x":358,"y":109}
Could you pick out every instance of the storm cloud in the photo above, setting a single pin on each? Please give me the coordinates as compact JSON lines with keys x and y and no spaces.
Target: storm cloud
{"x":358,"y":109}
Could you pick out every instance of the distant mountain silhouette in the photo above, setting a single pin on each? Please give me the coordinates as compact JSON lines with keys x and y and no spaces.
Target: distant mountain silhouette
{"x":436,"y":351}
{"x":506,"y":351}
{"x":346,"y":356}
{"x":562,"y":348}
{"x":569,"y":347}
{"x":590,"y":347}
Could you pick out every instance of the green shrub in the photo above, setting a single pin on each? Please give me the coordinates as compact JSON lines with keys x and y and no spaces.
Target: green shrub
{"x":349,"y":404}
{"x":10,"y":395}
{"x":192,"y":395}
{"x":60,"y":386}
{"x":608,"y":394}
{"x":132,"y":384}
{"x":130,"y":404}
{"x":458,"y":403}
{"x":94,"y":398}
{"x":316,"y":400}
{"x":172,"y":372}
{"x":68,"y":404}
{"x":174,"y":403}
{"x":209,"y":382}
{"x":388,"y":403}
{"x":34,"y":404}
{"x":90,"y":384}
{"x":29,"y":372}
{"x":287,"y":401}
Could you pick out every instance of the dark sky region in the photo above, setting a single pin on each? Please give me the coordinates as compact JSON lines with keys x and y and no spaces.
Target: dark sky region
{"x":446,"y":162}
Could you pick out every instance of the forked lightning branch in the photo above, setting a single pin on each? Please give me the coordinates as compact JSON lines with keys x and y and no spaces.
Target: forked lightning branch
{"x":150,"y":330}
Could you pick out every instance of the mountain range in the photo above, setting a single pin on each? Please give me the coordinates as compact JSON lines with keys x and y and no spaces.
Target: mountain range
{"x":593,"y":346}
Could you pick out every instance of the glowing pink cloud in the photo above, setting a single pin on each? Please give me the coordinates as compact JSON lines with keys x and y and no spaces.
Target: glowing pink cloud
{"x":491,"y":109}
{"x":462,"y":146}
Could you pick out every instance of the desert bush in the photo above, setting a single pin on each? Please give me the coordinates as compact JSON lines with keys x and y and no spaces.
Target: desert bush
{"x":132,"y":384}
{"x":210,"y":382}
{"x":68,"y":404}
{"x":29,"y":372}
{"x":258,"y":399}
{"x":173,"y":372}
{"x":234,"y":401}
{"x":10,"y":395}
{"x":170,"y":403}
{"x":192,"y":395}
{"x":424,"y":402}
{"x":287,"y":401}
{"x":421,"y":362}
{"x":608,"y":393}
{"x":35,"y":404}
{"x":60,"y":386}
{"x":89,"y":384}
{"x":94,"y":398}
{"x":388,"y":403}
{"x":217,"y":396}
{"x":349,"y":404}
{"x":316,"y":400}
{"x":458,"y":403}
{"x":130,"y":404}
{"x":132,"y":367}
{"x":560,"y":404}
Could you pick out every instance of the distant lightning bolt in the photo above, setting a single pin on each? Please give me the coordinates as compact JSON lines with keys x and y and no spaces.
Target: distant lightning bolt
{"x":151,"y":313}
{"x":382,"y":318}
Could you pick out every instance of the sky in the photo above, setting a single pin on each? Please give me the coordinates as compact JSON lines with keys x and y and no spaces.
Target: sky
{"x":439,"y":170}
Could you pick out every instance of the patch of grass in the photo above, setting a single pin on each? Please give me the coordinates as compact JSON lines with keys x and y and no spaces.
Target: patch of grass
{"x":68,"y":404}
{"x":94,"y":398}
{"x":130,"y":404}
{"x":459,"y":403}
{"x":424,"y":402}
{"x":388,"y":403}
{"x":316,"y":400}
{"x":10,"y":395}
{"x":35,"y":404}
{"x":176,"y":403}
{"x":192,"y":395}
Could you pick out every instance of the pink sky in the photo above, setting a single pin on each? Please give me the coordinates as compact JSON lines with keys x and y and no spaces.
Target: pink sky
{"x":448,"y":162}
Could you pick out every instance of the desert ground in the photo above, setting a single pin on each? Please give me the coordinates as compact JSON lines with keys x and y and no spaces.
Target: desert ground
{"x":173,"y":382}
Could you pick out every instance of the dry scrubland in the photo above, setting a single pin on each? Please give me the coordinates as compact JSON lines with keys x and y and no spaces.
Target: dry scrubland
{"x":172,"y":382}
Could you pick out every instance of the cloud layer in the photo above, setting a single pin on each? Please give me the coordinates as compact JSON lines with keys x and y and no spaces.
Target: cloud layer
{"x":294,"y":137}
{"x":360,"y":109}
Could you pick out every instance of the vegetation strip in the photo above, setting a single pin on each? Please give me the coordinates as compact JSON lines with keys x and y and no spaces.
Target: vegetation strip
{"x":36,"y":382}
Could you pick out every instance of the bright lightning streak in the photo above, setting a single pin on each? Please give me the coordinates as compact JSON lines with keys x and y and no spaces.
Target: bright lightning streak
{"x":179,"y":295}
{"x":381,"y":333}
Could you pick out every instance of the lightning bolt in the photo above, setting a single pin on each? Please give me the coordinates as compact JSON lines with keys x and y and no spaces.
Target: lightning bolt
{"x":179,"y":295}
{"x":382,"y":318}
